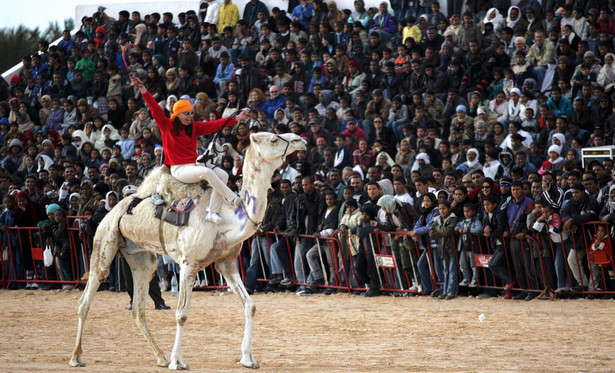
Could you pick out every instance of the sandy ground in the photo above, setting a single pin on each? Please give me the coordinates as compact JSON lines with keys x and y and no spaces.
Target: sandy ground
{"x":314,"y":334}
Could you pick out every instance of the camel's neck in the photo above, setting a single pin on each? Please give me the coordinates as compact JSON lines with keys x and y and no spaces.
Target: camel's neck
{"x":256,"y":180}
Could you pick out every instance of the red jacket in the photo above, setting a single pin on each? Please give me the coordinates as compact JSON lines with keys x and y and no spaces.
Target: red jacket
{"x":181,"y":149}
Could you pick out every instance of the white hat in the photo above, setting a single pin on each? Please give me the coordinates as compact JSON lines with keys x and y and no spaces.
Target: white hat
{"x":555,"y":148}
{"x":128,"y":190}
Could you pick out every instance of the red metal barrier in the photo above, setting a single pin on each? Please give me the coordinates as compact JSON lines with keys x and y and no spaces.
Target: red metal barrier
{"x":534,"y":257}
{"x":36,"y":247}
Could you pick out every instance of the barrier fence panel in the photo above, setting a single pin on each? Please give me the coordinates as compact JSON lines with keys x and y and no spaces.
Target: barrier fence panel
{"x":28,"y":253}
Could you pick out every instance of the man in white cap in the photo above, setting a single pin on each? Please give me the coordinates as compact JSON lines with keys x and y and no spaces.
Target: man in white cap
{"x":463,"y":122}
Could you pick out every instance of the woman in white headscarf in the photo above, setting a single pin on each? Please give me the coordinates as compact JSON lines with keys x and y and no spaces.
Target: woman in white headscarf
{"x":494,"y":16}
{"x":554,"y":157}
{"x":515,"y":108}
{"x":43,"y":161}
{"x":510,"y":20}
{"x":559,"y":139}
{"x":606,"y":75}
{"x":109,"y":137}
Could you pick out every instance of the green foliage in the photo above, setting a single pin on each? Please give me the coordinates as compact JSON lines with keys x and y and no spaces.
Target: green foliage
{"x":17,"y":42}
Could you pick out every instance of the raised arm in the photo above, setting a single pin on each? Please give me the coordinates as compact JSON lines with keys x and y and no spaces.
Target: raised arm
{"x":156,"y":110}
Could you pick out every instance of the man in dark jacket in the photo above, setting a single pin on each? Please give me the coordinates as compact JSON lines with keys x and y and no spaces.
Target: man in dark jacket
{"x":281,"y":229}
{"x":495,"y":224}
{"x":259,"y":241}
{"x":582,"y":208}
{"x":320,"y":252}
{"x":306,"y":212}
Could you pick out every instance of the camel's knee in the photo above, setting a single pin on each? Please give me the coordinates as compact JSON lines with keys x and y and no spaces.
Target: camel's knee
{"x":137,"y":315}
{"x":250,"y":308}
{"x":181,"y":317}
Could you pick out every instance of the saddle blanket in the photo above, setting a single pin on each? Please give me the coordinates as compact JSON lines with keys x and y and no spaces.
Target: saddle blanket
{"x":183,"y":206}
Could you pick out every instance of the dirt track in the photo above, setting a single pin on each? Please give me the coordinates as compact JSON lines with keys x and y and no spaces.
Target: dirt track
{"x":314,"y":334}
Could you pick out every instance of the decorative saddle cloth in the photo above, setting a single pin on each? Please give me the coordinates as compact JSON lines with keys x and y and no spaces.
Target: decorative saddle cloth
{"x":177,"y":214}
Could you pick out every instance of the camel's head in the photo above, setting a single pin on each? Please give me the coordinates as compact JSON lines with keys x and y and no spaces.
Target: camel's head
{"x":272,"y":146}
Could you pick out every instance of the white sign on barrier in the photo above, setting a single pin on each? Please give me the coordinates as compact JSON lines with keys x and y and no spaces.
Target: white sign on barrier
{"x":385,"y":261}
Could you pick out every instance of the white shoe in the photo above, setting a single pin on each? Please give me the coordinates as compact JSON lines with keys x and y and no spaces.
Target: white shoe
{"x":464,"y":283}
{"x":213,"y":217}
{"x":237,"y":201}
{"x":414,"y":288}
{"x":473,"y":284}
{"x":34,"y":286}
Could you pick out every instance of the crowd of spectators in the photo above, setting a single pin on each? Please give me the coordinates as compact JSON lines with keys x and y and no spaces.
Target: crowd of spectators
{"x":415,"y":122}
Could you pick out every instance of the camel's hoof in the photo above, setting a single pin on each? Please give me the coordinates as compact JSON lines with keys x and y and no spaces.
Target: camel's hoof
{"x":250,"y":364}
{"x":162,"y":362}
{"x":76,"y":362}
{"x":178,"y":366}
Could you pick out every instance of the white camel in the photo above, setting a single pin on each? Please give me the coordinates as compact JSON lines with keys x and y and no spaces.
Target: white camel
{"x":140,"y":237}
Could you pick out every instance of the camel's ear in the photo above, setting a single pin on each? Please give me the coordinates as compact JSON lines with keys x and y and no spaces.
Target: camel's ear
{"x":254,"y":139}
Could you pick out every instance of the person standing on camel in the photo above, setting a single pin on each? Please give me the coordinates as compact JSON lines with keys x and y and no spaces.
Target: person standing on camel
{"x":179,"y":134}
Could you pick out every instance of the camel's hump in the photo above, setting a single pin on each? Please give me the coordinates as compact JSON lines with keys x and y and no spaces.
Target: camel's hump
{"x":161,"y":181}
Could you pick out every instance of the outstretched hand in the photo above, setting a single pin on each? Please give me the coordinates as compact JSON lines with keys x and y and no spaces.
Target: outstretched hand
{"x":243,"y":115}
{"x":137,"y":83}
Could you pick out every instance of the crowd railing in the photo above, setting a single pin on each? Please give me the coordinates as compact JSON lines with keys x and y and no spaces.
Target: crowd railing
{"x":542,"y":264}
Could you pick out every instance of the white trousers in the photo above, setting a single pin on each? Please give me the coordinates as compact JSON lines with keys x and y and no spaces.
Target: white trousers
{"x":217,"y":178}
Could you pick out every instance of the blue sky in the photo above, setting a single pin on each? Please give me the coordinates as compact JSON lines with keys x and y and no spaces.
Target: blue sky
{"x":33,"y":13}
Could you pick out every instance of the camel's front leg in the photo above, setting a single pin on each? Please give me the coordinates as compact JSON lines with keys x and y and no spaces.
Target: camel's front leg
{"x":229,"y":270}
{"x":187,"y":276}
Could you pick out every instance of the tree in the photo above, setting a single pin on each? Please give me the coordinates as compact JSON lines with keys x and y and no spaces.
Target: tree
{"x":17,"y":42}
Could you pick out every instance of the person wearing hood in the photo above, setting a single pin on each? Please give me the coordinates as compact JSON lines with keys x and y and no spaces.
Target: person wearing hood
{"x":472,"y":162}
{"x":109,"y":137}
{"x":494,"y":17}
{"x":506,"y":161}
{"x":556,"y":160}
{"x":514,"y":19}
{"x":16,"y":153}
{"x":354,"y":77}
{"x":364,"y":264}
{"x":422,"y":164}
{"x":606,"y":76}
{"x":490,"y":39}
{"x":427,"y":213}
{"x":400,"y":217}
{"x":492,"y":167}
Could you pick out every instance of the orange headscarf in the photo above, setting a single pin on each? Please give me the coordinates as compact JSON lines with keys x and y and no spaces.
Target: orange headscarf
{"x":179,"y":107}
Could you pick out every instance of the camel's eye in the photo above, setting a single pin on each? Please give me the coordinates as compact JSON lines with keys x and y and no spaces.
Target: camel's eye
{"x":275,"y":139}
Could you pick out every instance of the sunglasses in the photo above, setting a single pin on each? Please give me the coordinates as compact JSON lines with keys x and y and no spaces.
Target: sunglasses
{"x":188,"y":113}
{"x":504,"y":185}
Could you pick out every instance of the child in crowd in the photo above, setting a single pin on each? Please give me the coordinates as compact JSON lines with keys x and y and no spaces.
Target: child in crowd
{"x":442,"y":229}
{"x":468,"y":227}
{"x":551,"y":222}
{"x":601,"y":252}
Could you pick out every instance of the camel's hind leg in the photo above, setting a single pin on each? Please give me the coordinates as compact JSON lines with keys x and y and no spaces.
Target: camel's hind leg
{"x":143,"y":264}
{"x":103,"y":254}
{"x":187,"y":275}
{"x":228,"y":269}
